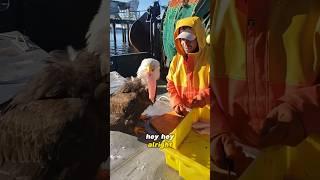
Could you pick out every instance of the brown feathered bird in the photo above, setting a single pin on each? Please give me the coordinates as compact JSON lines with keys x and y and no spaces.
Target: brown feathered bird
{"x":57,"y":123}
{"x":133,"y":97}
{"x":55,"y":128}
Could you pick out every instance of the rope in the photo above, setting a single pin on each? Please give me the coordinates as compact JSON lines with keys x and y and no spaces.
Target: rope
{"x":165,"y":97}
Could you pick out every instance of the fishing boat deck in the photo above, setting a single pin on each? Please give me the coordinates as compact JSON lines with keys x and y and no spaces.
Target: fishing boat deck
{"x":131,"y":159}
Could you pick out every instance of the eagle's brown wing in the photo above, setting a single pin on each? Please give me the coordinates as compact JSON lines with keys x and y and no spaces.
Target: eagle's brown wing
{"x":30,"y":136}
{"x":126,"y":105}
{"x":28,"y":130}
{"x":53,"y":81}
{"x":52,"y":139}
{"x":56,"y":124}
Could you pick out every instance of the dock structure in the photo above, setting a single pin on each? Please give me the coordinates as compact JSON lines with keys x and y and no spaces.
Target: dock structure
{"x":125,"y":21}
{"x":123,"y":15}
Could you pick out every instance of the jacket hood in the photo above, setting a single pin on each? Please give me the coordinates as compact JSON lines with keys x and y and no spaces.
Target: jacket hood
{"x":198,"y":30}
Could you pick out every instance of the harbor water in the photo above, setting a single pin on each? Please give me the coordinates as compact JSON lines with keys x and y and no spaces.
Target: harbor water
{"x":120,"y":47}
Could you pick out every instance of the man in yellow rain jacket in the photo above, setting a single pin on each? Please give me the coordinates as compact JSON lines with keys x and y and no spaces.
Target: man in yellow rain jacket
{"x":266,"y":76}
{"x":189,"y":72}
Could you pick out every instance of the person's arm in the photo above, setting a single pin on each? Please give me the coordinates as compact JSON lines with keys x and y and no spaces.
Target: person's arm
{"x":296,"y":116}
{"x":224,"y":151}
{"x":219,"y":122}
{"x":175,"y":99}
{"x":203,"y":96}
{"x":174,"y":96}
{"x":306,"y":103}
{"x":206,"y":95}
{"x":202,"y":99}
{"x":307,"y":100}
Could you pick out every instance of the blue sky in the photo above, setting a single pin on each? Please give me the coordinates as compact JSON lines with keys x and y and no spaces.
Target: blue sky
{"x":144,"y":4}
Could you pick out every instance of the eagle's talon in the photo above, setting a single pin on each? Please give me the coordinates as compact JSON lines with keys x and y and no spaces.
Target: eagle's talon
{"x":138,"y":130}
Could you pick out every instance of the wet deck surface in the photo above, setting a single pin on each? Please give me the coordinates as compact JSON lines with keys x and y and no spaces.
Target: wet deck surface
{"x":130,"y":159}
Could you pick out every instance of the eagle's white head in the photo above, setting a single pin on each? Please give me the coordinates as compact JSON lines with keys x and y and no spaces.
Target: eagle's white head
{"x":149,"y":73}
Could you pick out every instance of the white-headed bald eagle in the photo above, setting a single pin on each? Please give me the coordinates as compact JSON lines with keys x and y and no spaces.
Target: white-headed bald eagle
{"x":133,"y":97}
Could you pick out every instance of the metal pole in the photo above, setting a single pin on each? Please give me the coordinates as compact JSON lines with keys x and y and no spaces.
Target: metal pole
{"x":128,"y":29}
{"x":114,"y":37}
{"x":123,"y":34}
{"x":150,"y":38}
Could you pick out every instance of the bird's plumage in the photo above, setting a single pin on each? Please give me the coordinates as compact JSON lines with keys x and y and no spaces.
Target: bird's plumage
{"x":55,"y":128}
{"x":62,"y":78}
{"x":132,"y":98}
{"x":57,"y":123}
{"x":127,"y":104}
